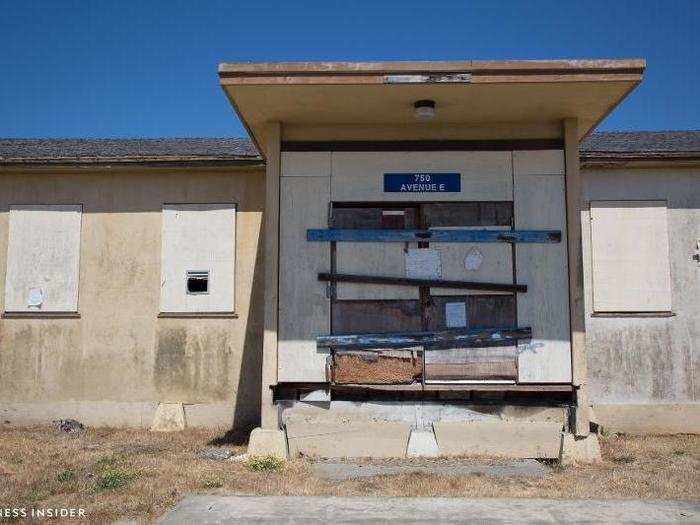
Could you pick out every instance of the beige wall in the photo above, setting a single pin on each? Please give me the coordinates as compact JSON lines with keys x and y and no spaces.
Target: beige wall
{"x":118,"y":359}
{"x":648,"y":360}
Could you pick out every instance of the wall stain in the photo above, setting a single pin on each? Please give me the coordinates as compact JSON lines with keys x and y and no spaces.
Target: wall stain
{"x":170,"y":366}
{"x":192,"y":366}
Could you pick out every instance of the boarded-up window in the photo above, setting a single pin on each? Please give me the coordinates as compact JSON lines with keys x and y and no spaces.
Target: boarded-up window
{"x":43,"y":258}
{"x":198,"y":258}
{"x":629,"y":246}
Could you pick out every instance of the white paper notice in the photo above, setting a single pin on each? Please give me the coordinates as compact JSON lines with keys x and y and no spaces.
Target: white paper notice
{"x":36,"y":297}
{"x":473,"y":260}
{"x":423,"y":263}
{"x":456,"y":315}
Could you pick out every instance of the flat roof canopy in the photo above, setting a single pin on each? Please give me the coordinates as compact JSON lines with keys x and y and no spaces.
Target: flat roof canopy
{"x":468,"y":93}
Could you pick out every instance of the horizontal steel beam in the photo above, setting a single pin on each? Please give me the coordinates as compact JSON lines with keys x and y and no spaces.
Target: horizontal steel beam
{"x":456,"y":338}
{"x":434,"y":235}
{"x":432,"y":283}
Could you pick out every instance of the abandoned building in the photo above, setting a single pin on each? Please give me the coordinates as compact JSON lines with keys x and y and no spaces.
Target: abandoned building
{"x":406,"y":258}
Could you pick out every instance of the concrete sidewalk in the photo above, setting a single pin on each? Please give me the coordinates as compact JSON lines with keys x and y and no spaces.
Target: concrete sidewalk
{"x":320,"y":509}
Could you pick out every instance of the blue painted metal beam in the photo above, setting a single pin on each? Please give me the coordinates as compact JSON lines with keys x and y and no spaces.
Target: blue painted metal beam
{"x":434,"y":235}
{"x":461,"y":338}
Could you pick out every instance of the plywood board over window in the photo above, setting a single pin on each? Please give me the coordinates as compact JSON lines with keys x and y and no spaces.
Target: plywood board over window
{"x":198,"y":258}
{"x":629,"y":247}
{"x":304,"y":306}
{"x":43,"y":258}
{"x":540,"y":205}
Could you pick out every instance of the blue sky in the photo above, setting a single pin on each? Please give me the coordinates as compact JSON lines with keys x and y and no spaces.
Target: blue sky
{"x":145,"y":68}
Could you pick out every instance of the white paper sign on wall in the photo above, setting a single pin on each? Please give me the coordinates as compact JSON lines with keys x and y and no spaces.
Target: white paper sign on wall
{"x":423,"y":263}
{"x":456,"y":315}
{"x":473,"y":260}
{"x":35,"y":297}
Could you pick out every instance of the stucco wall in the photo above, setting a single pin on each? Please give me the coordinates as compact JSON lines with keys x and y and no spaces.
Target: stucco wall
{"x":649,"y":360}
{"x":116,"y":361}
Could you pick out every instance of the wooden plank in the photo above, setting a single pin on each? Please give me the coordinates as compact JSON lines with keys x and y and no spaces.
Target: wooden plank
{"x":375,"y":316}
{"x":540,"y":203}
{"x":472,"y":355}
{"x":459,"y":364}
{"x":450,"y":214}
{"x":304,"y":308}
{"x":434,"y":283}
{"x":483,"y":311}
{"x":404,"y":340}
{"x":478,"y":371}
{"x":433,"y":235}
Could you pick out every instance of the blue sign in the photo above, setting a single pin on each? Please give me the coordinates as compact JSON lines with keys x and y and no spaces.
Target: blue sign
{"x":422,"y":182}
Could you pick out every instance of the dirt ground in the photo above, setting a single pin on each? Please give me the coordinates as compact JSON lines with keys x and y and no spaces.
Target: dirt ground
{"x":138,"y":474}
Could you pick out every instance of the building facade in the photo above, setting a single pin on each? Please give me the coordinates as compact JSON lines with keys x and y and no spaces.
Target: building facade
{"x":356,"y":267}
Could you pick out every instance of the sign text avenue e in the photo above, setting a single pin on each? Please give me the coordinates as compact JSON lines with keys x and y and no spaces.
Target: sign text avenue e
{"x":422,"y":182}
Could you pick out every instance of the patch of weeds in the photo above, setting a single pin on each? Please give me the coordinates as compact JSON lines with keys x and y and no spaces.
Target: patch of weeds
{"x":66,"y":475}
{"x":114,"y":478}
{"x":679,"y":452}
{"x":212,"y":483}
{"x":265,"y":464}
{"x":109,"y":461}
{"x":37,"y":494}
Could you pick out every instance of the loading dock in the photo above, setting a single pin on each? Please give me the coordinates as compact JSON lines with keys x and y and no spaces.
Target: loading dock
{"x":371,"y":209}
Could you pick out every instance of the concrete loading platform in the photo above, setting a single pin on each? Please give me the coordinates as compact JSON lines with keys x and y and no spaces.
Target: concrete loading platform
{"x":399,"y":430}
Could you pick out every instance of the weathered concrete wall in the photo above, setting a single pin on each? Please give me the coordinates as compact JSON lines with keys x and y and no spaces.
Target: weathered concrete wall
{"x":118,"y":355}
{"x":641,"y":361}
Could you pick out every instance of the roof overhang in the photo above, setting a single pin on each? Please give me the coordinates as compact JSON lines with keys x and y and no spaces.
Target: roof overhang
{"x":499,"y":94}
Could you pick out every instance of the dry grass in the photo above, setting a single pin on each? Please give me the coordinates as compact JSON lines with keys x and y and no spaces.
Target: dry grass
{"x":138,"y":474}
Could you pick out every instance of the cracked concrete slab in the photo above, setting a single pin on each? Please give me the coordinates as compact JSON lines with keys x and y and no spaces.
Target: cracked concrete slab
{"x":323,"y":509}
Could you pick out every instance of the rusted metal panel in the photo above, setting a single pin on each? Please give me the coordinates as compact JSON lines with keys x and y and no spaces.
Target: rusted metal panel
{"x":454,"y":338}
{"x":375,"y":316}
{"x":398,"y":367}
{"x":434,"y":235}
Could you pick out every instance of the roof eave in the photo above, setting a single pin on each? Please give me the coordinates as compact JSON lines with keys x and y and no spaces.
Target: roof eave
{"x":145,"y":161}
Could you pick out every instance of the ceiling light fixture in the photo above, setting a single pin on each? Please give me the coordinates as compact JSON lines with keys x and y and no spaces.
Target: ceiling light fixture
{"x":424,"y":109}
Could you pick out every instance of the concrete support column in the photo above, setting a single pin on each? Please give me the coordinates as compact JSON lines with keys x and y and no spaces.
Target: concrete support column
{"x":268,"y":416}
{"x":576,"y":294}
